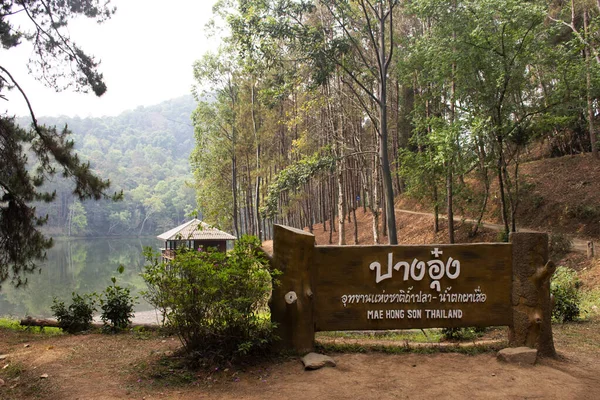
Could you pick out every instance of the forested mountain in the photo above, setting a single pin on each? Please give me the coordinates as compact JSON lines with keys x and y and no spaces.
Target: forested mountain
{"x":144,"y":153}
{"x":324,"y":106}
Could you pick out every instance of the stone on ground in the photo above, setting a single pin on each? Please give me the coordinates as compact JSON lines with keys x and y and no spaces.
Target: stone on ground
{"x":518,"y":355}
{"x":316,"y":361}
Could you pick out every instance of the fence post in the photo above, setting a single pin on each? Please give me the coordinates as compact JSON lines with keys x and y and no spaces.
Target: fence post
{"x":292,"y":300}
{"x":532,"y":309}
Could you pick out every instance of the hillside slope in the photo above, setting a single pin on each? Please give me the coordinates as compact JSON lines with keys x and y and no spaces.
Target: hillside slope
{"x":145,"y":153}
{"x":562,"y":195}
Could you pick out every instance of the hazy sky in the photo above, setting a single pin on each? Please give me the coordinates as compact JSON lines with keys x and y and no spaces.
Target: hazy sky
{"x":147,"y":50}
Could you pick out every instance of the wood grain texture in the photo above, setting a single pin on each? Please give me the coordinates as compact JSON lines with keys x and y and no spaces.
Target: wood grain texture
{"x":293,"y":252}
{"x":341,"y":272}
{"x":532,"y":307}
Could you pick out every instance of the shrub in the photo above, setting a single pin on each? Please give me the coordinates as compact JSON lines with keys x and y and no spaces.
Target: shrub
{"x":117,"y":305}
{"x":565,"y":288}
{"x":214,"y":301}
{"x":78,"y":316}
{"x":502,"y":236}
{"x":559,"y":244}
{"x":468,"y":333}
{"x":584,"y":212}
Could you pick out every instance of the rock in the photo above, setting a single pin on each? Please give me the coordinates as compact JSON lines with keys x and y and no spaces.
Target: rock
{"x":316,"y":361}
{"x":3,"y":356}
{"x":518,"y":355}
{"x":1,"y":382}
{"x":44,"y":376}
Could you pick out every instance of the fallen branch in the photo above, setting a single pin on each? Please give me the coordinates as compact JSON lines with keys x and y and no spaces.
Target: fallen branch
{"x":51,"y":323}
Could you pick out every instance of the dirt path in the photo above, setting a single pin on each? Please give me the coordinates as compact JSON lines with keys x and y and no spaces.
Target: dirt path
{"x":129,"y":366}
{"x":579,"y":245}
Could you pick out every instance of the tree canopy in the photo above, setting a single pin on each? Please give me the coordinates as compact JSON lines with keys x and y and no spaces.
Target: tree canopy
{"x":410,"y":97}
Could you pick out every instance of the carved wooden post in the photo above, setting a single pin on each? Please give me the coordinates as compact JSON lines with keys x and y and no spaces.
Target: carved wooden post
{"x":532,"y":310}
{"x":292,"y":299}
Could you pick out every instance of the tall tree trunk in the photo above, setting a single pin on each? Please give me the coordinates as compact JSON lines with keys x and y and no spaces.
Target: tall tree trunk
{"x":486,"y":182}
{"x":436,"y":210}
{"x":500,"y":167}
{"x":331,"y":211}
{"x":339,"y":151}
{"x":375,"y":202}
{"x":590,"y":104}
{"x":450,"y":172}
{"x":257,"y":184}
{"x":234,"y":193}
{"x":383,"y":144}
{"x":449,"y":210}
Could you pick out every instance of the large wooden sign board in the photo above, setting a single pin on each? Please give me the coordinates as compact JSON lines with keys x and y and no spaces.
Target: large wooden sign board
{"x":326,"y":288}
{"x":402,"y":287}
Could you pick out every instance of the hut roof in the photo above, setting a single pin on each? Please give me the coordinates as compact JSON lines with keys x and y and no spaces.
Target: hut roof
{"x":195,"y":230}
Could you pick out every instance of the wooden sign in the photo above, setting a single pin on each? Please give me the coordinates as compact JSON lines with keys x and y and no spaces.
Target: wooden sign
{"x":403,"y":287}
{"x":325,"y":288}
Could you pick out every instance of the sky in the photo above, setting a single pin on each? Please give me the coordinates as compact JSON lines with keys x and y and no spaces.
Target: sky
{"x":146,"y":49}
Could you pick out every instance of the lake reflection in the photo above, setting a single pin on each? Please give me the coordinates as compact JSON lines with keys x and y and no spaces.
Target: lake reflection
{"x":82,"y":266}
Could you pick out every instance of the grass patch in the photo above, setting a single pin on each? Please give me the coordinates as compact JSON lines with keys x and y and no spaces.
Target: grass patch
{"x":468,"y":349}
{"x":12,"y":371}
{"x":590,"y":303}
{"x":21,"y":384}
{"x":580,"y":336}
{"x":411,"y":335}
{"x":15,"y":325}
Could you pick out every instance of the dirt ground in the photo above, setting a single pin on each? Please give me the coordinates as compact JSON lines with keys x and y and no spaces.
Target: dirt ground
{"x":141,"y":366}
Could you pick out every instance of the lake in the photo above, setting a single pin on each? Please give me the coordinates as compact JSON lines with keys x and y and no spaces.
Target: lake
{"x":82,"y":266}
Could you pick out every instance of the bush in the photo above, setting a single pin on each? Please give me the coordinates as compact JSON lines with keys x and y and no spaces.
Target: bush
{"x":468,"y":333}
{"x":117,"y":306}
{"x":565,"y":288}
{"x":559,"y":244}
{"x":584,"y":212}
{"x":215,"y":302}
{"x":78,"y":316}
{"x":502,"y":237}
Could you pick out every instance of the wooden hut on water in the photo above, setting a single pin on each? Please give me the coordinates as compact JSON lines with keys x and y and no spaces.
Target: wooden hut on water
{"x":194,"y":234}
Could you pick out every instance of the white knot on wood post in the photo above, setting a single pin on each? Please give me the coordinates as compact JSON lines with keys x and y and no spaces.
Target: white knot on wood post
{"x":291,"y":297}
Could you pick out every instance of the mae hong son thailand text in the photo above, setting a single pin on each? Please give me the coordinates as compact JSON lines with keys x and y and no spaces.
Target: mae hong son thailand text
{"x":431,"y":303}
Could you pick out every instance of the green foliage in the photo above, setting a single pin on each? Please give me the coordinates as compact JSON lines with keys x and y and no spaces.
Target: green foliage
{"x":564,"y":286}
{"x":77,"y":317}
{"x":502,"y":237}
{"x":214,"y":301}
{"x":295,"y":175}
{"x":145,"y":153}
{"x":117,"y":305}
{"x":15,"y":325}
{"x":590,"y":302}
{"x":468,"y":333}
{"x":584,"y":212}
{"x":559,"y":244}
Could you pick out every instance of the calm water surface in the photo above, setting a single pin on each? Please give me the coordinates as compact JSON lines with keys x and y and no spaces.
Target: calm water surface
{"x":82,"y":266}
